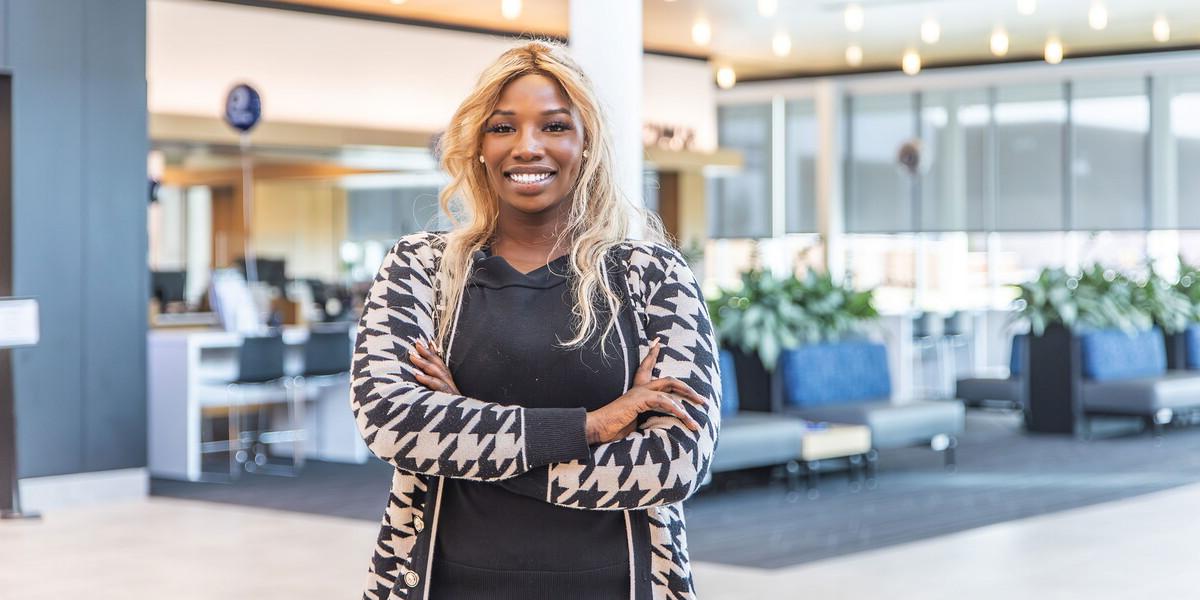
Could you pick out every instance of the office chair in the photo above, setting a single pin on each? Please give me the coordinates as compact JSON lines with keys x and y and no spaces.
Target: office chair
{"x":260,"y":366}
{"x":327,"y":357}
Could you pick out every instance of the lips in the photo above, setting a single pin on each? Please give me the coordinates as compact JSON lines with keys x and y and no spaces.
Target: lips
{"x":529,"y":180}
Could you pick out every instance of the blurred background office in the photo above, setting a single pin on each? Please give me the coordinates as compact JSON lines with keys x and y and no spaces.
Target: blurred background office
{"x":919,"y":224}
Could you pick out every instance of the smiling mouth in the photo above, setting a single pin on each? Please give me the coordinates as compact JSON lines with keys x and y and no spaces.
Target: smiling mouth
{"x":529,"y":178}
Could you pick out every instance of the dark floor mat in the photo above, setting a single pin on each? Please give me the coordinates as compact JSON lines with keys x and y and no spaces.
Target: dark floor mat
{"x":750,"y":519}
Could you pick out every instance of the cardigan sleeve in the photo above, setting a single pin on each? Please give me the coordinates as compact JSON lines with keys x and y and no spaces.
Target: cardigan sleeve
{"x":662,"y":462}
{"x":436,"y":433}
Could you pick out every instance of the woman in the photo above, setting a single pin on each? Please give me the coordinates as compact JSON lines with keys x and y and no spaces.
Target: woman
{"x":546,"y":412}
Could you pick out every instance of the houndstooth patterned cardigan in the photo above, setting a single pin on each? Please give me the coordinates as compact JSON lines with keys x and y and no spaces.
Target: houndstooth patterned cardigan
{"x":429,"y":435}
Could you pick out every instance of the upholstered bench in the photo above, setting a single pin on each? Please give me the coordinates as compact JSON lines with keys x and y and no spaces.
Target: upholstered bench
{"x":849,"y":382}
{"x":1003,"y":391}
{"x":1126,"y":374}
{"x":752,"y":439}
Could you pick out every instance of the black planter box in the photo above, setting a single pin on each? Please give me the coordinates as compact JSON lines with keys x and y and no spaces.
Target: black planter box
{"x":758,"y":390}
{"x":1053,"y":375}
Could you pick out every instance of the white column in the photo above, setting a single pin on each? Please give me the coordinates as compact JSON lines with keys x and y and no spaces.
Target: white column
{"x":606,"y":40}
{"x":830,"y":201}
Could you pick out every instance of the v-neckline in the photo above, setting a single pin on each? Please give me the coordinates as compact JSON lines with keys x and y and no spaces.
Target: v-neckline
{"x":487,"y":250}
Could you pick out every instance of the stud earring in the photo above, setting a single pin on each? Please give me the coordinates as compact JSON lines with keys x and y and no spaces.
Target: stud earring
{"x":585,"y":153}
{"x":480,"y":158}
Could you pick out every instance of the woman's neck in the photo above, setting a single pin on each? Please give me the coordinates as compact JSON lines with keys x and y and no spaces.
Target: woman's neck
{"x":529,"y":239}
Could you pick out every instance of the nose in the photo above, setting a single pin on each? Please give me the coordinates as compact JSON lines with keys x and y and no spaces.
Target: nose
{"x":528,"y":145}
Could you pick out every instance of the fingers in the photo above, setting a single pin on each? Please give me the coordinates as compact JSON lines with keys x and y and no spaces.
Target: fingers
{"x":668,"y":403}
{"x":435,"y":376}
{"x":646,"y":368}
{"x":673,"y":385}
{"x":430,"y":362}
{"x":434,"y":383}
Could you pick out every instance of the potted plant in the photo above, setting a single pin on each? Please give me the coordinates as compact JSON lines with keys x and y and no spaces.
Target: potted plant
{"x":1187,"y":288}
{"x":769,"y":315}
{"x":755,"y":323}
{"x":1057,"y":305}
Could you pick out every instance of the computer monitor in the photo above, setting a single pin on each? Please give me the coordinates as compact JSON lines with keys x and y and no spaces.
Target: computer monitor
{"x":168,"y":286}
{"x":271,"y":271}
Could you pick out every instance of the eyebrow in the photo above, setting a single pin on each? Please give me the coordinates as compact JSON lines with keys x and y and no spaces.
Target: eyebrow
{"x":509,"y":113}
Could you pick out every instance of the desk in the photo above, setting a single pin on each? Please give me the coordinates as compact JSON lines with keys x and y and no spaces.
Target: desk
{"x":184,"y":373}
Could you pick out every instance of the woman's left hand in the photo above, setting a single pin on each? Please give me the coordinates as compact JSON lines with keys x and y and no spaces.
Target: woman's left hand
{"x":435,"y":375}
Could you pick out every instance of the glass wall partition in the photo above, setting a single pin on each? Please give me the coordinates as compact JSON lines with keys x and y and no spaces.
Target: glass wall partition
{"x":1110,"y":132}
{"x":740,"y":205}
{"x":879,"y":190}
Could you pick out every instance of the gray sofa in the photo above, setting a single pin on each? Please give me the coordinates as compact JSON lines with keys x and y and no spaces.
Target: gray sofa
{"x":1008,"y":392}
{"x":1126,"y":374}
{"x":849,"y":382}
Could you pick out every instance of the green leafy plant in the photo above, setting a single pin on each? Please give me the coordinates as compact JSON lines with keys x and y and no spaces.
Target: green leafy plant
{"x":1096,"y":298}
{"x":1169,"y":307}
{"x":760,"y":318}
{"x":1189,"y":286}
{"x":833,"y":310}
{"x":768,"y":315}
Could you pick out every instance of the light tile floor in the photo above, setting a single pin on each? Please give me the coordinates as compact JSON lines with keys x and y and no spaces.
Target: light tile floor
{"x":1146,"y":547}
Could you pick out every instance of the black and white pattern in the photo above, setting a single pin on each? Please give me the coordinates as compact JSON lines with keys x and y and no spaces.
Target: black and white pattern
{"x":428,"y":435}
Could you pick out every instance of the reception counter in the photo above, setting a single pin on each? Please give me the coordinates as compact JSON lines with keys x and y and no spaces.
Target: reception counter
{"x":186,"y":371}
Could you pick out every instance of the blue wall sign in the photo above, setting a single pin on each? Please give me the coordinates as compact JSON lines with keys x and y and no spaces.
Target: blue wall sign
{"x":243,"y":107}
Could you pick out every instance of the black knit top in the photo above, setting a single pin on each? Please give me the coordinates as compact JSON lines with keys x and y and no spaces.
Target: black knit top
{"x":493,"y":543}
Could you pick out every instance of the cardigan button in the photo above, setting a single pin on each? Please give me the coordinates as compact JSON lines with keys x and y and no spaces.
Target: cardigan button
{"x":411,"y":579}
{"x":418,"y":524}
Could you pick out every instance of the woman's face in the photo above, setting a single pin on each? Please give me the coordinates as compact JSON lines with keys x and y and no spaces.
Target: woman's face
{"x":533,"y":144}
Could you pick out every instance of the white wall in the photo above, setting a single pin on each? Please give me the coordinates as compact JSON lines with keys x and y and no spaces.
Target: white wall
{"x":332,"y":70}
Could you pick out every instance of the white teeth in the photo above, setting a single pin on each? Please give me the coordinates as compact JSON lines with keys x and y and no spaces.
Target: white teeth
{"x":529,"y":177}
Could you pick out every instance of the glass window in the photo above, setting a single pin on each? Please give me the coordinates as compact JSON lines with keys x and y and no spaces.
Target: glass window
{"x":1185,"y":131}
{"x":1110,"y":122}
{"x":389,"y":213}
{"x":800,"y":148}
{"x":878,"y":190}
{"x":741,"y":204}
{"x":1029,"y":158}
{"x":954,"y":136}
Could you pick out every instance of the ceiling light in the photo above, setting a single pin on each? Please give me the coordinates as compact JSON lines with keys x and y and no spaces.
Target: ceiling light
{"x":931,"y":31}
{"x":1162,"y":29}
{"x":854,"y":56}
{"x":999,"y":41}
{"x":1027,"y":7}
{"x":781,"y":44}
{"x":511,"y":9}
{"x":854,"y":17}
{"x":1054,"y":51}
{"x":701,"y":32}
{"x":726,"y":77}
{"x":1098,"y":16}
{"x":911,"y":63}
{"x":767,"y":8}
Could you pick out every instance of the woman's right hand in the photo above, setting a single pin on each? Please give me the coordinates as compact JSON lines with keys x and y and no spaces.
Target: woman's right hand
{"x":618,"y":418}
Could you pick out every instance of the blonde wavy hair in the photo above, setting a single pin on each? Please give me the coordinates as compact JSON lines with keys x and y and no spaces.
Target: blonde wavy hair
{"x":599,"y":216}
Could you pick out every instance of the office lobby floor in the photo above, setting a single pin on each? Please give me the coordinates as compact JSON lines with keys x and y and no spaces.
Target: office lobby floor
{"x":1004,"y":474}
{"x":1143,"y":547}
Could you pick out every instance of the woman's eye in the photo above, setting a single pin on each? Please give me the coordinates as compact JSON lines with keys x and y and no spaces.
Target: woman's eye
{"x":501,"y":128}
{"x":558,"y":126}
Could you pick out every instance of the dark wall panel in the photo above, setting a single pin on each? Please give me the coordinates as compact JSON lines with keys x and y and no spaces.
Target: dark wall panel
{"x":46,"y":57}
{"x":114,"y":200}
{"x":79,"y":164}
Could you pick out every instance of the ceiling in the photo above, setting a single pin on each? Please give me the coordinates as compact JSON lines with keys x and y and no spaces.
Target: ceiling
{"x":742,"y":37}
